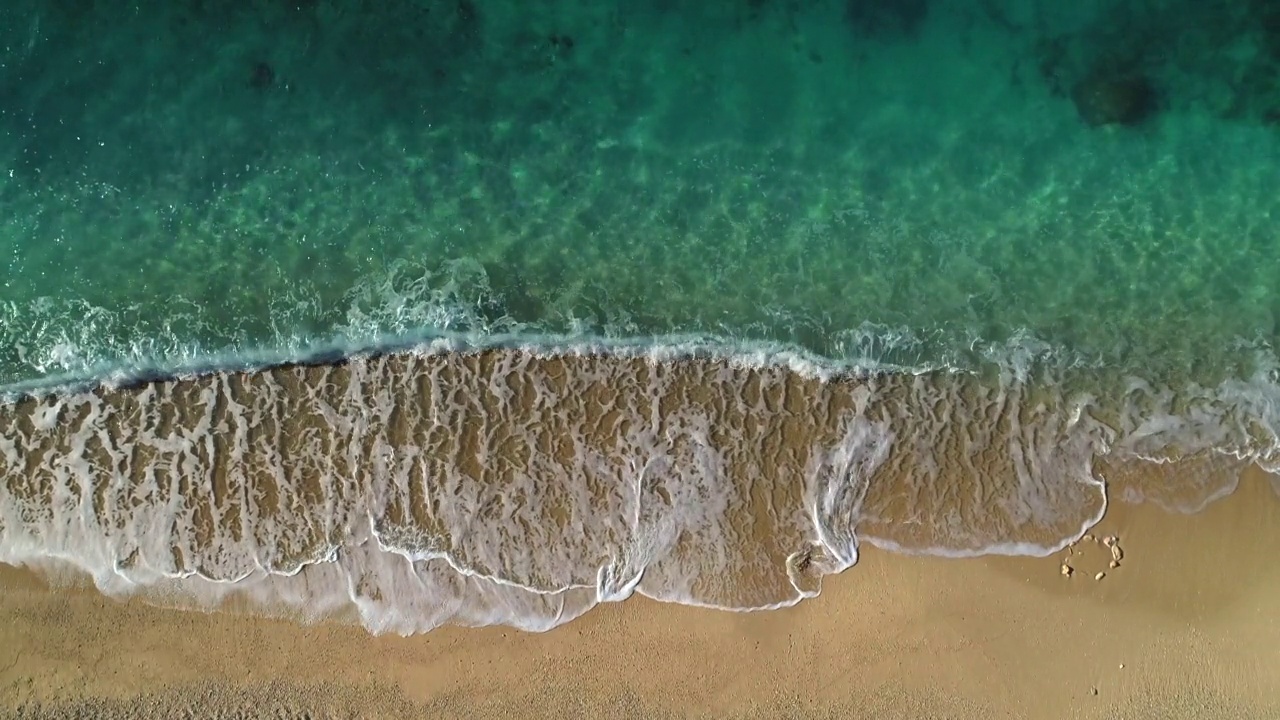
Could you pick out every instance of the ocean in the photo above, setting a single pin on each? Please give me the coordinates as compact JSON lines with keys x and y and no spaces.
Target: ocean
{"x":485,"y":312}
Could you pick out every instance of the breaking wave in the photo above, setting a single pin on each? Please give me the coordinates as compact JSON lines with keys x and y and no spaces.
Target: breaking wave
{"x":443,"y":480}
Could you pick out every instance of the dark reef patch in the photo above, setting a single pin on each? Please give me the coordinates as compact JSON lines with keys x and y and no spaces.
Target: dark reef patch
{"x":1128,"y":62}
{"x":886,"y":19}
{"x":1103,"y":99}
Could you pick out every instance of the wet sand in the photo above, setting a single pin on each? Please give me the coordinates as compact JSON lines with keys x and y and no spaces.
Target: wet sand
{"x":1184,"y":627}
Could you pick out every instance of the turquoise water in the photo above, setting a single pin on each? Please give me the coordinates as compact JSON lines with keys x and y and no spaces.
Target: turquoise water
{"x":910,"y":181}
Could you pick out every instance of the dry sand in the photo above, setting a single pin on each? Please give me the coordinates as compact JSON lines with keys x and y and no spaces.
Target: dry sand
{"x":1186,"y":626}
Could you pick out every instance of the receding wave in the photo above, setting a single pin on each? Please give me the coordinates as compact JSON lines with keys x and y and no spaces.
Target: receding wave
{"x":470,"y":485}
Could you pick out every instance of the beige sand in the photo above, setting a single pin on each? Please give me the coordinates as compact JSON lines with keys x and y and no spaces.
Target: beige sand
{"x":1185,"y":627}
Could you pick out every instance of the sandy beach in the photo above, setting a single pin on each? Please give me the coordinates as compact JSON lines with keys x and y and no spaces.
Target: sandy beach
{"x":1184,"y":627}
{"x":500,"y":359}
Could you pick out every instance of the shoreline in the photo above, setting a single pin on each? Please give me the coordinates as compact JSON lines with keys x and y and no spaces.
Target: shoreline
{"x":756,"y":354}
{"x":1020,"y":354}
{"x":1186,"y":614}
{"x":306,"y":482}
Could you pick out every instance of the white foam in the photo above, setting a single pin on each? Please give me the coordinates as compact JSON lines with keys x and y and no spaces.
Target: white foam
{"x":429,"y":487}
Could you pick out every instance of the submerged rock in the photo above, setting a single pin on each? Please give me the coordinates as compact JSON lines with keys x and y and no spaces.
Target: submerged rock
{"x":886,"y":19}
{"x":1115,"y":100}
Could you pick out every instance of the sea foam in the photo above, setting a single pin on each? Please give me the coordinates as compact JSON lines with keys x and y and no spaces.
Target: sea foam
{"x":521,"y":485}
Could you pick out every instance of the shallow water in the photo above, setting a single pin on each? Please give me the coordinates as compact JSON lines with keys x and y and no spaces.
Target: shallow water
{"x":919,"y":202}
{"x":448,"y":484}
{"x":461,"y":480}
